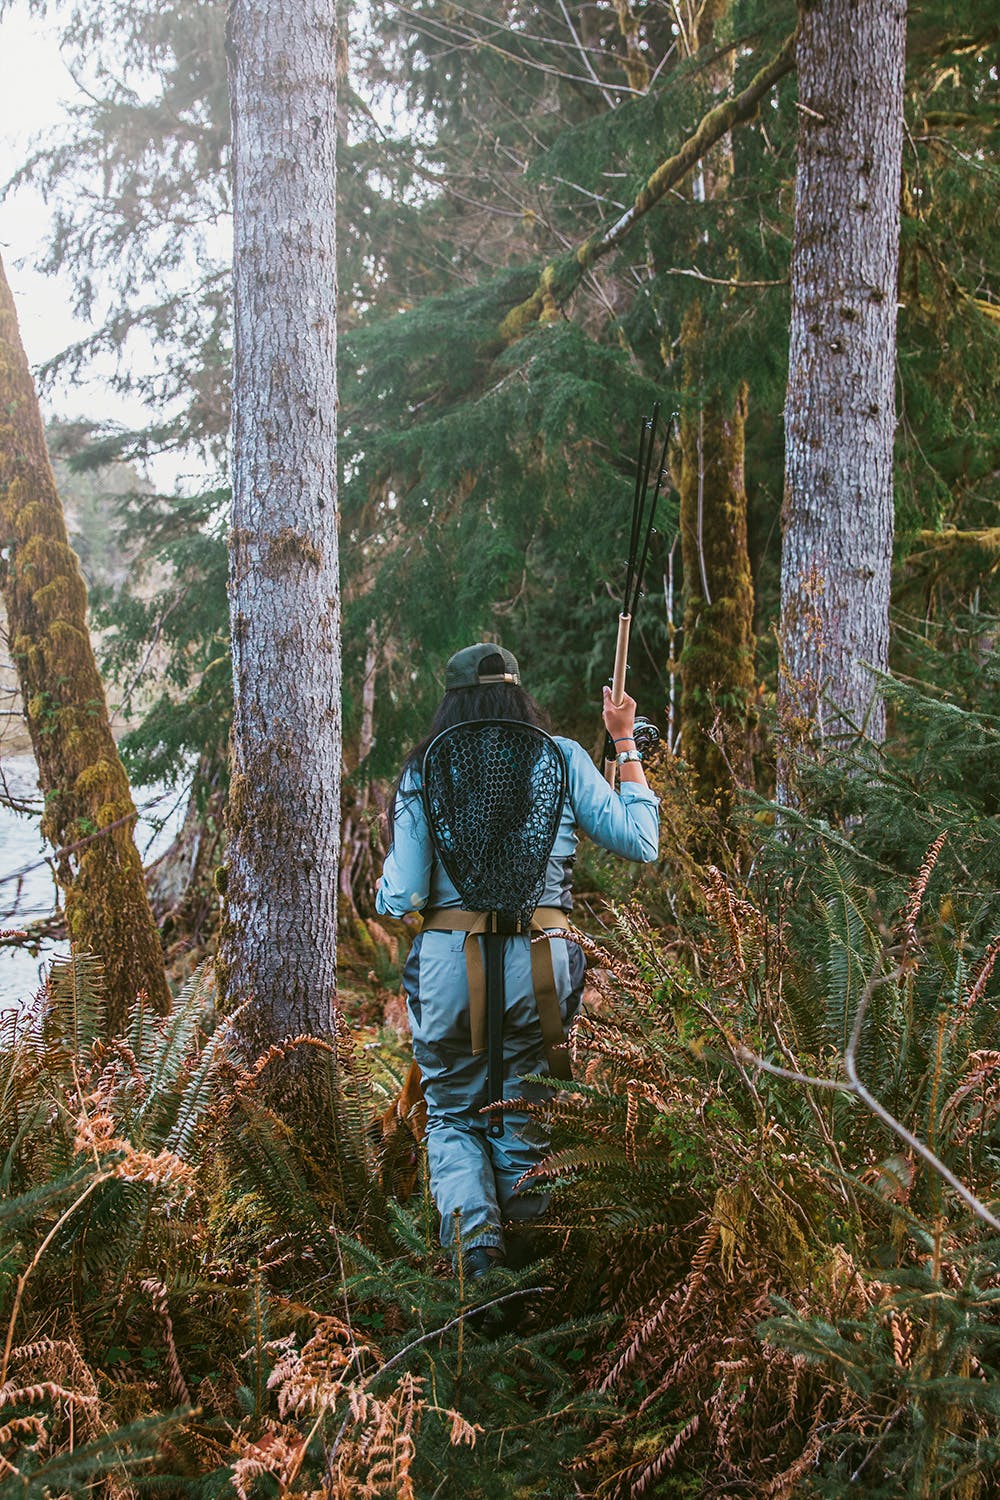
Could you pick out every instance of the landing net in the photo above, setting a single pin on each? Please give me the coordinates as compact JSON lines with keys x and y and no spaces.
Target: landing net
{"x":494,"y":792}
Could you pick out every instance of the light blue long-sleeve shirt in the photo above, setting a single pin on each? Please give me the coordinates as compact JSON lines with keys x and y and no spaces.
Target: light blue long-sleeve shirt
{"x":626,"y":823}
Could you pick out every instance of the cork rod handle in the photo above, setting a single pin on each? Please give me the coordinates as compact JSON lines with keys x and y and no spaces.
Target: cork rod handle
{"x":621,"y":662}
{"x":618,"y":684}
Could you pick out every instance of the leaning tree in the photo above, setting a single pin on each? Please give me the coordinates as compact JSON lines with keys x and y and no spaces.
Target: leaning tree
{"x":278,"y":948}
{"x":89,"y":815}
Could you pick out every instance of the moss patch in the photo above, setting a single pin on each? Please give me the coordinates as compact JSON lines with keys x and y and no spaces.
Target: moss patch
{"x":89,"y":813}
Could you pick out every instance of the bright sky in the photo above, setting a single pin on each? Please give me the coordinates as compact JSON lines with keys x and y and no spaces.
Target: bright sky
{"x":35,"y":90}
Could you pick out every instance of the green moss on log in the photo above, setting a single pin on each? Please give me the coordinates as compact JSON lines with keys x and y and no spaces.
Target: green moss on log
{"x":89,"y":814}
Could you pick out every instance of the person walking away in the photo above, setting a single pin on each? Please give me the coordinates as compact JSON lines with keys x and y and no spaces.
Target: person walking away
{"x":476,"y":1163}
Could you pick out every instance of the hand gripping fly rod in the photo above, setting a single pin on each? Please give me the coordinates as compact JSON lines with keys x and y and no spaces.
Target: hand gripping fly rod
{"x":643,"y":515}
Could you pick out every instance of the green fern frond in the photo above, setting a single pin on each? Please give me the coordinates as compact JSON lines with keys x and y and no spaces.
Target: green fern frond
{"x":74,"y":1009}
{"x":266,"y":1170}
{"x":198,"y":1089}
{"x":17,"y":1213}
{"x":163,"y":1052}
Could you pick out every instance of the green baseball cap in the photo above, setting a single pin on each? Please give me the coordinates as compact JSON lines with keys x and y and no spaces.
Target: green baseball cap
{"x":478,"y":665}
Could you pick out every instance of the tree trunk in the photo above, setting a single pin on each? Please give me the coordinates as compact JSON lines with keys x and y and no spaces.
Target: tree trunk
{"x":717,"y":659}
{"x":366,"y":736}
{"x":278,"y":947}
{"x":89,"y":814}
{"x":840,"y":411}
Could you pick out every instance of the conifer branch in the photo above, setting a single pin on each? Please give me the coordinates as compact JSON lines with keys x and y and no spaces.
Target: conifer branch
{"x":560,"y":278}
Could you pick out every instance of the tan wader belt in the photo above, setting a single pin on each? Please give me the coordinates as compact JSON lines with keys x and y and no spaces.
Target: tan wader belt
{"x":543,"y":979}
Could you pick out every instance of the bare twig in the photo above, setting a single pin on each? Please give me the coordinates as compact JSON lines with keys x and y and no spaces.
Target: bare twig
{"x":812,"y":113}
{"x":606,"y":95}
{"x":853,"y":1085}
{"x":720,"y":280}
{"x":91,"y":838}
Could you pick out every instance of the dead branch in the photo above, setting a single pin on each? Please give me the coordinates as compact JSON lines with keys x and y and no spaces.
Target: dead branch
{"x":852,"y":1085}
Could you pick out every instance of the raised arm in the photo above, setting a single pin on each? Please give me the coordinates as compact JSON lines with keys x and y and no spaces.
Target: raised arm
{"x":626,"y":823}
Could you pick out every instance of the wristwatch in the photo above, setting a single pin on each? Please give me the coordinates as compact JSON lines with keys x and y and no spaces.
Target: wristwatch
{"x":624,"y":756}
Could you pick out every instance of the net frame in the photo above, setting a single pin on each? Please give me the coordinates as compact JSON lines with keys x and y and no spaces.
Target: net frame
{"x":496,"y":860}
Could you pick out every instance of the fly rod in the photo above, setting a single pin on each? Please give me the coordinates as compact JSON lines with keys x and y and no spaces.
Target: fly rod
{"x":643,"y":516}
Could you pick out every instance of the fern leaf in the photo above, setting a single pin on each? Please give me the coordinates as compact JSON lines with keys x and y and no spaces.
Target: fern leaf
{"x":74,"y":1006}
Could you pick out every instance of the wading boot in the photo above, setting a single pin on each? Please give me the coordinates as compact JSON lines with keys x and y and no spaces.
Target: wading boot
{"x":480,"y":1261}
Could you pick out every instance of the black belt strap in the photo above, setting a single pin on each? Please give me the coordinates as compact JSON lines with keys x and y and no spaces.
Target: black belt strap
{"x":495,"y":1007}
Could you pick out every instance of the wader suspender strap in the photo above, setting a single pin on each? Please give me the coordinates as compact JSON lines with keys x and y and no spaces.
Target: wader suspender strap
{"x":494,"y":792}
{"x":543,"y":980}
{"x":495,"y":1006}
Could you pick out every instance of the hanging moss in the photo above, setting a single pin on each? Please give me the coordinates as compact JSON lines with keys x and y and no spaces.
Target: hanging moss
{"x":89,"y":814}
{"x":717,"y":660}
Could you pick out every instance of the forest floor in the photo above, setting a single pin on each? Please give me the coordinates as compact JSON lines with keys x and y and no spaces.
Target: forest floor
{"x":747,"y":1283}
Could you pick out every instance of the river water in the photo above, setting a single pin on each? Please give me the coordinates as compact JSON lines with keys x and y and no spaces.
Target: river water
{"x":27,"y":887}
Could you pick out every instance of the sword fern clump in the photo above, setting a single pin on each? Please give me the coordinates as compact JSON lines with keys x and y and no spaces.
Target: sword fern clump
{"x":100,"y":1210}
{"x":182,"y":1297}
{"x":806,"y":1302}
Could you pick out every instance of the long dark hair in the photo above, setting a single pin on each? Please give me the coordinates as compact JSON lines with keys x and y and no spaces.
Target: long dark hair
{"x":494,"y":700}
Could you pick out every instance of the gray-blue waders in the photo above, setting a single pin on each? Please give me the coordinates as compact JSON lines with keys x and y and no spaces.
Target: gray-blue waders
{"x":493,"y":791}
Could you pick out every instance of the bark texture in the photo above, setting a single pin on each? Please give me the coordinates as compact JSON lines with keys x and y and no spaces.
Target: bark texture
{"x":278,"y":948}
{"x":717,"y":660}
{"x":840,"y":411}
{"x":89,"y":814}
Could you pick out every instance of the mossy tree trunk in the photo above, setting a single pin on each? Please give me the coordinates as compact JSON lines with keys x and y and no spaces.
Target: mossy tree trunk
{"x":840,"y":409}
{"x":279,"y":948}
{"x":717,"y":657}
{"x":89,"y":814}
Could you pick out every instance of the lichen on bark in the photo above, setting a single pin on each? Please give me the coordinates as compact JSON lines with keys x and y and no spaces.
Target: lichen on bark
{"x":837,"y":516}
{"x":89,"y":815}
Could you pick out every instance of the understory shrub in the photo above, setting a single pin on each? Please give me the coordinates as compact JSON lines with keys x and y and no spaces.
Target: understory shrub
{"x":771,"y":1264}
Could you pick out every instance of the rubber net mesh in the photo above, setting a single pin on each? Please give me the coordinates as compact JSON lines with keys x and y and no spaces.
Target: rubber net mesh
{"x":494,"y":792}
